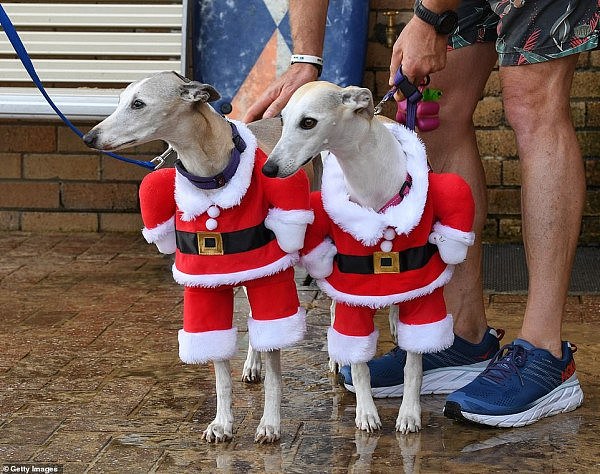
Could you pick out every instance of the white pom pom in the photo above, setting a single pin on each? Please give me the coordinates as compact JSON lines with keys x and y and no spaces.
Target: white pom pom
{"x":389,"y":234}
{"x":213,"y":211}
{"x":386,"y":246}
{"x":211,"y":224}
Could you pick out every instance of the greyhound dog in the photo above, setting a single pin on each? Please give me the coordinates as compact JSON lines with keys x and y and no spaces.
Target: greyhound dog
{"x":368,"y":169}
{"x":169,"y":107}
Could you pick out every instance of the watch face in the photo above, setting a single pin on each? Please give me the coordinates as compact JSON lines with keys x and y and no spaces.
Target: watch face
{"x":448,"y":22}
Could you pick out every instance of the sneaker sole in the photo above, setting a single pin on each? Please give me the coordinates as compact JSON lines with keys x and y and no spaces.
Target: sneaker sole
{"x":436,"y":381}
{"x":564,"y":398}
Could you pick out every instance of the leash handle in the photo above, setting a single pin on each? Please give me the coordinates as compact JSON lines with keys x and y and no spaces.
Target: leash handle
{"x":21,"y":51}
{"x":411,"y":93}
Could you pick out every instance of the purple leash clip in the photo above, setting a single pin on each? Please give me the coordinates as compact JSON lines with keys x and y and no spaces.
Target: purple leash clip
{"x":410,"y":91}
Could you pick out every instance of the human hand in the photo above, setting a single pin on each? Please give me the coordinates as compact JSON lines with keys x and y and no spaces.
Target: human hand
{"x":420,"y":51}
{"x":274,"y":99}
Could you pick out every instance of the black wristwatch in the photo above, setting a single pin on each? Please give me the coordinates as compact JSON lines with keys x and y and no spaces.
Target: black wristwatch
{"x":444,"y":23}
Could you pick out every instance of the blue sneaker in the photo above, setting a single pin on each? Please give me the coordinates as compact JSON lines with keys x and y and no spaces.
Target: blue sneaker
{"x":443,"y":372}
{"x":521,"y":385}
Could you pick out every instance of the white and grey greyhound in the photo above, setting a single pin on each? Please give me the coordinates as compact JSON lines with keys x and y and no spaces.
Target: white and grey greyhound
{"x":322,"y":116}
{"x":169,"y":107}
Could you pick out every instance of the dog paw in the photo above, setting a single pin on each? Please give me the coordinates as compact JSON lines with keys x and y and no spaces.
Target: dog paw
{"x":267,"y":433}
{"x":252,"y":368}
{"x":368,"y":421}
{"x":408,"y":423}
{"x":218,"y":432}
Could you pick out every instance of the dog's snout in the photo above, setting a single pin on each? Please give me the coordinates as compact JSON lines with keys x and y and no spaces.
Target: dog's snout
{"x":90,"y":138}
{"x":270,"y":169}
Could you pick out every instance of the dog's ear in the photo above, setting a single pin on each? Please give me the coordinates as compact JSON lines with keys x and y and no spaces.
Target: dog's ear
{"x":195,"y":91}
{"x":359,"y":99}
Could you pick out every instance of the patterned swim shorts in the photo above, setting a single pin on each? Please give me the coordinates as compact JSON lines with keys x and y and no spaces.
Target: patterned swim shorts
{"x":528,"y":31}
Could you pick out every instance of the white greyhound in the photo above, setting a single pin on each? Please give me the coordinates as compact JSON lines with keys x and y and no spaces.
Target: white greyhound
{"x":373,"y":161}
{"x":169,"y":107}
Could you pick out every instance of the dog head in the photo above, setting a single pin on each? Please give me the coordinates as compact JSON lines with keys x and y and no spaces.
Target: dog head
{"x":319,"y":116}
{"x":149,"y":109}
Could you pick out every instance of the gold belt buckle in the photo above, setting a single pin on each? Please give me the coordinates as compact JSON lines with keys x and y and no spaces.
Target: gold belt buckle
{"x":386,"y":262}
{"x":210,"y":243}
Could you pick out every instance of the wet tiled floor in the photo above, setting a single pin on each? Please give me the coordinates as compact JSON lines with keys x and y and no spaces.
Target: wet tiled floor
{"x":90,"y":380}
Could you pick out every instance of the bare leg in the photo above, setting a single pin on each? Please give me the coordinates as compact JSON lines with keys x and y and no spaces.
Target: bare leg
{"x":453,"y":149}
{"x":269,"y":429}
{"x":536,"y":101}
{"x":367,"y":418}
{"x":221,"y":428}
{"x":409,"y":415}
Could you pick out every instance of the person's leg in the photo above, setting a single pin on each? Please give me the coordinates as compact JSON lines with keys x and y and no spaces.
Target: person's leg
{"x":536,"y":103}
{"x":453,"y":149}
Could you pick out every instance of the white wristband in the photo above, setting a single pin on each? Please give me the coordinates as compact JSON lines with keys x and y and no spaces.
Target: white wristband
{"x":308,"y":59}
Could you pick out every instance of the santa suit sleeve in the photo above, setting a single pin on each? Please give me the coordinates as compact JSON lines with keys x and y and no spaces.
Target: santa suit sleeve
{"x":289,"y":212}
{"x":454,"y":209}
{"x":157,"y":203}
{"x":319,"y":250}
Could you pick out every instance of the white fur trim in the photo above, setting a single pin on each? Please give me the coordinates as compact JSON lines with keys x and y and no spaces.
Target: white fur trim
{"x":213,"y":280}
{"x":289,"y":227}
{"x":160,"y":231}
{"x":319,"y":261}
{"x":200,"y":347}
{"x":194,"y":202}
{"x":347,"y":350}
{"x":277,"y":333}
{"x":467,"y":238}
{"x":422,"y":338}
{"x":376,"y":302}
{"x":366,"y":224}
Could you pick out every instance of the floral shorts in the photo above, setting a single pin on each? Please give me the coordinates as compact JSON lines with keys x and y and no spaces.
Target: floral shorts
{"x":528,"y":31}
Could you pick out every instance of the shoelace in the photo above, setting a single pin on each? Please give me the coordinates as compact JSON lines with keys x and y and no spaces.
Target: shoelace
{"x":506,"y":362}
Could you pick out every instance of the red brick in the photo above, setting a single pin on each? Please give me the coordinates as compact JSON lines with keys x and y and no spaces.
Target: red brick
{"x":115,"y":170}
{"x":592,"y":203}
{"x":29,"y":194}
{"x":592,"y":171}
{"x":9,"y":220}
{"x":78,"y":167}
{"x":121,"y":222}
{"x":593,"y":114}
{"x":488,"y":113}
{"x":493,"y":170}
{"x":392,"y":4}
{"x":590,"y":229}
{"x":59,"y":221}
{"x":378,"y":56}
{"x":496,"y":142}
{"x":595,"y":58}
{"x":578,"y":113}
{"x":504,"y":201}
{"x":69,"y":142}
{"x":492,"y":87}
{"x":490,"y":230}
{"x":589,"y":142}
{"x":586,"y":84}
{"x":511,"y":172}
{"x":27,"y":138}
{"x":11,"y":165}
{"x":510,"y":229}
{"x":106,"y":196}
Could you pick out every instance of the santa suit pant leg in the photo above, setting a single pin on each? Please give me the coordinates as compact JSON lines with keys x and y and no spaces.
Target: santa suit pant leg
{"x":208,"y":332}
{"x":352,"y":337}
{"x":425,"y":325}
{"x":277,"y":320}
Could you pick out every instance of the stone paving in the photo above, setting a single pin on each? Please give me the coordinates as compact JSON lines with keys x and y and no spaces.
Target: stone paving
{"x":90,"y":380}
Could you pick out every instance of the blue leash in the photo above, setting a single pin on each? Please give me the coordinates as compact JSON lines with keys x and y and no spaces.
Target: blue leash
{"x":19,"y":48}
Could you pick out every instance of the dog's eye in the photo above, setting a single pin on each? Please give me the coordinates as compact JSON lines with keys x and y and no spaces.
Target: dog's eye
{"x":137,"y":104}
{"x":308,"y":123}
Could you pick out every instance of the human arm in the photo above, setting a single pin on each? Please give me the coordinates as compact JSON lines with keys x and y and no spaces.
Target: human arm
{"x":307,"y":24}
{"x":419,"y":48}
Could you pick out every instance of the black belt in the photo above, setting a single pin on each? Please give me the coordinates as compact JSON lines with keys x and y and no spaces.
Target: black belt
{"x":386,"y":262}
{"x":223,"y":243}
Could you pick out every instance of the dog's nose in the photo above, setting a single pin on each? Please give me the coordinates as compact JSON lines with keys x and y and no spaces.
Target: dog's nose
{"x":90,"y":138}
{"x":270,"y":169}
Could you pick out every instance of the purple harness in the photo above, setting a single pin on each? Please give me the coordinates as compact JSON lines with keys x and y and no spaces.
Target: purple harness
{"x":219,"y":180}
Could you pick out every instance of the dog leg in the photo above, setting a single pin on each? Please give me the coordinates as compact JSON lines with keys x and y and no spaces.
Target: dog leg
{"x":221,"y":428}
{"x":409,"y":416}
{"x":269,"y":428}
{"x":252,"y":366}
{"x":367,"y":418}
{"x":333,"y":366}
{"x":393,"y":321}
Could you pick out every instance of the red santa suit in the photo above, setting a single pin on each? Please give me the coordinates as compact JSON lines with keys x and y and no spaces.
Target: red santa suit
{"x":364,"y":259}
{"x":247,"y":232}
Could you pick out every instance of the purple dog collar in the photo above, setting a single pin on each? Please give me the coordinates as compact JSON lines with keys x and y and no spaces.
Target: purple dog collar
{"x":221,"y":179}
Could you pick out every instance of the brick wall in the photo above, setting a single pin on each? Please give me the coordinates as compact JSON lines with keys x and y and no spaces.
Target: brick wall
{"x":50,"y":181}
